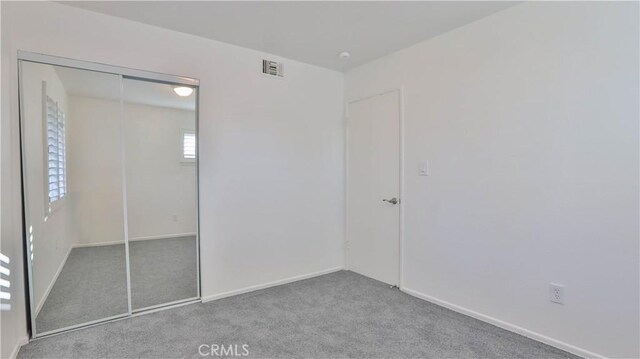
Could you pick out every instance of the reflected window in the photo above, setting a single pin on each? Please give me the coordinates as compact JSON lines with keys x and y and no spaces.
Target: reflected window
{"x":56,"y":151}
{"x":5,"y":283}
{"x":188,"y":146}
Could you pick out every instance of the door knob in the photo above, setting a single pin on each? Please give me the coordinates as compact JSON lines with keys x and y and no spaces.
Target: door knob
{"x":392,"y":200}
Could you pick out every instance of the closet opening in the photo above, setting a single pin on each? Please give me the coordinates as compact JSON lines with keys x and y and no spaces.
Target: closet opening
{"x":110,"y":183}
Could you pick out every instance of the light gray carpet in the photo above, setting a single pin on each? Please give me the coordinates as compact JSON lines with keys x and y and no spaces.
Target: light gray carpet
{"x":163,"y":271}
{"x":93,"y":284}
{"x":339,"y":315}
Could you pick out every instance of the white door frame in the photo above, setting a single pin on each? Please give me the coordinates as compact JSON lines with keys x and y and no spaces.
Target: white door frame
{"x":400,"y":91}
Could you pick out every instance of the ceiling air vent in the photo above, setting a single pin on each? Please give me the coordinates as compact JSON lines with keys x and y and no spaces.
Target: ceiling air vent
{"x":272,"y":68}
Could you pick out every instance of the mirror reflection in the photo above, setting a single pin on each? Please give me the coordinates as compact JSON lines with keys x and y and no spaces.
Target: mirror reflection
{"x":111,"y":194}
{"x":74,"y":193}
{"x":161,"y":192}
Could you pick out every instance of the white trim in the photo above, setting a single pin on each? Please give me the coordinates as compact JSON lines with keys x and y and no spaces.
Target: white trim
{"x":269,"y":284}
{"x":27,"y":220}
{"x":345,"y":219}
{"x":53,"y":281}
{"x":45,"y":152}
{"x":110,"y":320}
{"x":79,"y":326}
{"x":401,"y":188}
{"x":125,"y":206}
{"x":99,"y":244}
{"x":116,"y":70}
{"x":162,"y":236}
{"x":22,"y":341}
{"x":377,"y":93}
{"x":168,"y":304}
{"x":147,"y":238}
{"x":345,"y":182}
{"x":506,"y":325}
{"x":197,"y":189}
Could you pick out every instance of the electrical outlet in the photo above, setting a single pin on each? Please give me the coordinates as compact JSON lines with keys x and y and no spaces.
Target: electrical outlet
{"x":556,"y":293}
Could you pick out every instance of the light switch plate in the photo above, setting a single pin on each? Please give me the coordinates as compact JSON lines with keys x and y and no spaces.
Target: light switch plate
{"x":423,"y":168}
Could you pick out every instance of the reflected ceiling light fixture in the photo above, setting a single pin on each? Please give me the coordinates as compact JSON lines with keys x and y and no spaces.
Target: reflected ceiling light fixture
{"x":345,"y":55}
{"x":183,"y":91}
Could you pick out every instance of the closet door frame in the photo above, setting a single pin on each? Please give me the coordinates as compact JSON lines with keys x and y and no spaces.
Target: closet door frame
{"x":122,"y":72}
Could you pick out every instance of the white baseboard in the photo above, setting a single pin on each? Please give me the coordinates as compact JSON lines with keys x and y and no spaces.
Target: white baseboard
{"x":97,"y":244}
{"x":134,"y":239}
{"x":163,"y":236}
{"x":505,"y":325}
{"x":16,"y":348}
{"x":53,"y":281}
{"x":270,"y":284}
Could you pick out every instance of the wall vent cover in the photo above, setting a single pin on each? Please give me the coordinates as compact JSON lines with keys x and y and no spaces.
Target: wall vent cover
{"x":272,"y":68}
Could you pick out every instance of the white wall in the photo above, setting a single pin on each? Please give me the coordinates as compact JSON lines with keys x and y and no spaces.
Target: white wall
{"x":95,"y":169}
{"x":529,"y":121}
{"x":271,"y":151}
{"x":12,"y":323}
{"x":159,"y":185}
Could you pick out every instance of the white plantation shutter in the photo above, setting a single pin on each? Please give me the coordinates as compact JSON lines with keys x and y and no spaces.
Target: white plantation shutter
{"x":56,"y":152}
{"x":5,"y":283}
{"x":188,"y":145}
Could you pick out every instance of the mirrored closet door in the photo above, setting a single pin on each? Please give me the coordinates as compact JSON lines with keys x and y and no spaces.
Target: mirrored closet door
{"x":109,"y":162}
{"x":160,"y":146}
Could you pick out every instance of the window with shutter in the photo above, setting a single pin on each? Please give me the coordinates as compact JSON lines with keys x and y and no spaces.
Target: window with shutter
{"x":188,"y":146}
{"x":5,"y":283}
{"x":56,"y":152}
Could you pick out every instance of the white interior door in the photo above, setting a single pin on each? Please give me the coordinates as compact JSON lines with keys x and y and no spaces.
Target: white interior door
{"x":373,"y":219}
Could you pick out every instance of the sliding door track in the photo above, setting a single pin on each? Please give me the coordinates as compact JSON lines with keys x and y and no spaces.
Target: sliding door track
{"x":115,"y":318}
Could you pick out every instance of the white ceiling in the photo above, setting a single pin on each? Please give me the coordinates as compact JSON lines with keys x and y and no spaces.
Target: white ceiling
{"x":105,"y":86}
{"x":311,"y":32}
